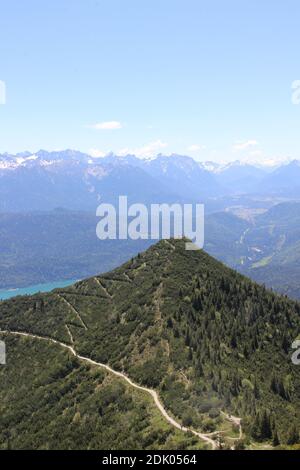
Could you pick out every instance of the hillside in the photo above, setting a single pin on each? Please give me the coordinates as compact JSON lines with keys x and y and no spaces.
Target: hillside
{"x":277,"y":235}
{"x":50,"y":400}
{"x":266,"y":249}
{"x":210,"y":341}
{"x":39,"y":247}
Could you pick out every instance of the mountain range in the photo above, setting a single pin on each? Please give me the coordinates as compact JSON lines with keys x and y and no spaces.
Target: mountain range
{"x":73,"y":180}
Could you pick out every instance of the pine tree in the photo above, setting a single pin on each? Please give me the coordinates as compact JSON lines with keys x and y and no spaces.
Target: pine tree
{"x":266,"y":431}
{"x":199,"y":369}
{"x":256,"y":390}
{"x":293,"y":436}
{"x":275,"y":440}
{"x":187,"y":338}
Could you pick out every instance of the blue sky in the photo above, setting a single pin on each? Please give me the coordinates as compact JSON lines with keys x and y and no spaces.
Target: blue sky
{"x":208,"y":78}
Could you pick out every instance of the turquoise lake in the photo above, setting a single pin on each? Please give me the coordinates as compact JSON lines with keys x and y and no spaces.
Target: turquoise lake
{"x":7,"y":294}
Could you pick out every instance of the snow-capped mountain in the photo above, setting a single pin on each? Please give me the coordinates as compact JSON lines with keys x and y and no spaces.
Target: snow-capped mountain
{"x":284,"y":180}
{"x":75,"y":180}
{"x":240,"y":177}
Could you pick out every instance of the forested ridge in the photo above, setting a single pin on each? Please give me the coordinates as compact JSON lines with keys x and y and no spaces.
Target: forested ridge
{"x":206,"y":338}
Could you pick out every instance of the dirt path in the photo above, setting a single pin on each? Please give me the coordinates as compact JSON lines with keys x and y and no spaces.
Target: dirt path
{"x":236,"y":421}
{"x":103,"y":287}
{"x":156,"y":301}
{"x":151,"y":392}
{"x":77,"y":314}
{"x":127,"y":277}
{"x":70,"y":335}
{"x":170,"y":244}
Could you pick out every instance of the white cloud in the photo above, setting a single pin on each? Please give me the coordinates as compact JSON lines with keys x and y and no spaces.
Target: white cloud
{"x":259,"y":158}
{"x":148,"y":150}
{"x":108,"y":125}
{"x":257,"y":153}
{"x":96,"y":153}
{"x":240,"y":146}
{"x":195,"y":148}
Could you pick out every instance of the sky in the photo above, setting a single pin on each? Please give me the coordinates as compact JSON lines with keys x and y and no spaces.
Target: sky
{"x":207,"y":78}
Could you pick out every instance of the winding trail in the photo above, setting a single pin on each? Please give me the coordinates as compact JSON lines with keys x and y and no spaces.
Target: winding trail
{"x":151,"y":392}
{"x":127,"y":277}
{"x":236,"y":421}
{"x":170,"y":244}
{"x":70,"y":334}
{"x":103,"y":287}
{"x":73,"y":309}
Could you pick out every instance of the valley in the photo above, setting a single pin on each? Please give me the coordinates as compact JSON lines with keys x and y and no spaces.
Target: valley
{"x":62,"y":245}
